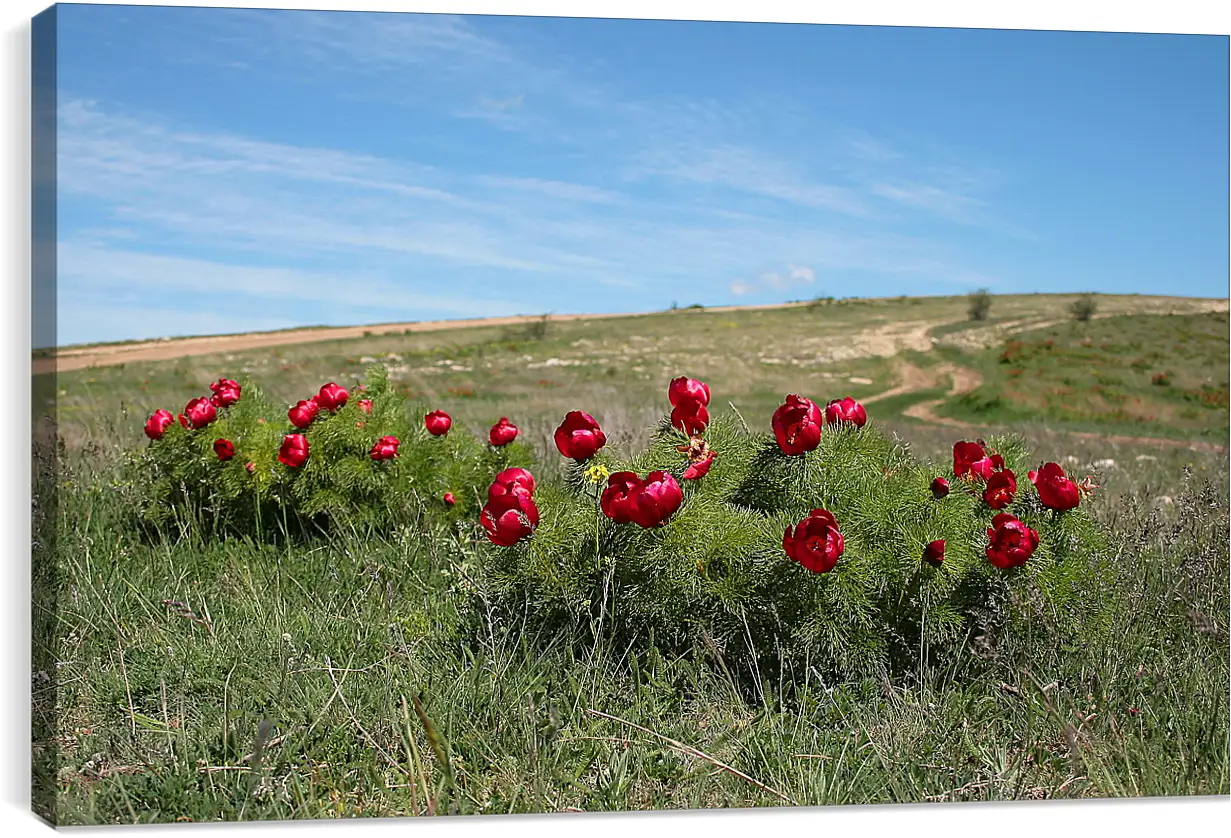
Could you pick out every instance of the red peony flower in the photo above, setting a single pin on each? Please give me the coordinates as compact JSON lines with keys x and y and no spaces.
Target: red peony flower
{"x":692,"y":419}
{"x":512,"y":481}
{"x":620,"y":496}
{"x":226,"y":392}
{"x":970,"y":460}
{"x":224,"y":448}
{"x":365,"y":405}
{"x":385,"y":448}
{"x":815,"y":541}
{"x":846,"y":410}
{"x":797,"y":425}
{"x":934,"y":552}
{"x":438,"y":423}
{"x":332,"y":397}
{"x":657,"y":499}
{"x":294,"y":450}
{"x":509,"y":518}
{"x":503,"y":432}
{"x":1011,"y":542}
{"x":698,"y":470}
{"x":200,"y":412}
{"x":449,"y":499}
{"x":183,"y":420}
{"x":579,"y":437}
{"x":688,"y":393}
{"x":1056,"y":490}
{"x":940,"y":488}
{"x":302,"y":414}
{"x":1001,"y":489}
{"x":158,"y":423}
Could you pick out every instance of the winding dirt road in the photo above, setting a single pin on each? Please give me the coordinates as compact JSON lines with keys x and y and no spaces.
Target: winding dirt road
{"x":884,"y":340}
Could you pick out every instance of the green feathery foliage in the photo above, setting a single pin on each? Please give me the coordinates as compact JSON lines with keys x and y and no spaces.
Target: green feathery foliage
{"x":180,"y":477}
{"x":717,"y":570}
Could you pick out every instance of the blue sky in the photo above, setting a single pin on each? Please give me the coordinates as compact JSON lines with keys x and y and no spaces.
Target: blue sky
{"x":227,"y":169}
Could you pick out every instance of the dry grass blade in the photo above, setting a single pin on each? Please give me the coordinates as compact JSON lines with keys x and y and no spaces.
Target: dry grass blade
{"x":691,"y":751}
{"x":412,"y":754}
{"x":433,"y":739}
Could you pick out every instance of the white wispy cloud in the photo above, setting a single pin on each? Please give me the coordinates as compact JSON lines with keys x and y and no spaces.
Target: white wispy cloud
{"x":774,"y":280}
{"x":746,"y":170}
{"x":660,"y":195}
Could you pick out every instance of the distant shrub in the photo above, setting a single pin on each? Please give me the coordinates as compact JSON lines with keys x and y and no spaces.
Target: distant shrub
{"x":980,"y":303}
{"x":537,"y":330}
{"x":1160,"y":379}
{"x":1083,"y":308}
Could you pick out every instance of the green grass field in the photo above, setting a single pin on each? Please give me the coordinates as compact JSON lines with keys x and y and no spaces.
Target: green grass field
{"x":190,"y":678}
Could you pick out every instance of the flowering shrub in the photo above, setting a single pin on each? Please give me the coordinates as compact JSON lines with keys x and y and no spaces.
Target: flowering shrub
{"x":809,"y":538}
{"x":797,"y":542}
{"x":255,"y":467}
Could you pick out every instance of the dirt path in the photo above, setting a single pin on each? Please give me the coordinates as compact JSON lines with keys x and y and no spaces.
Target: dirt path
{"x":913,"y":379}
{"x":963,"y":380}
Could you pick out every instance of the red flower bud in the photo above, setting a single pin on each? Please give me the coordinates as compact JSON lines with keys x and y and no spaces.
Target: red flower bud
{"x":251,"y":467}
{"x":226,"y":392}
{"x":1056,"y":490}
{"x":692,"y":419}
{"x":940,"y":488}
{"x":449,"y":499}
{"x":503,"y":432}
{"x":332,"y":397}
{"x":294,"y":450}
{"x":183,"y":420}
{"x":512,"y":481}
{"x":509,"y":518}
{"x":1001,"y":489}
{"x":620,"y":496}
{"x":846,"y":410}
{"x":934,"y":552}
{"x":158,"y":423}
{"x":688,"y":393}
{"x":695,"y":471}
{"x":224,"y":448}
{"x":437,"y":423}
{"x":365,"y":405}
{"x":1011,"y":542}
{"x":815,"y":541}
{"x":385,"y":448}
{"x":200,"y":412}
{"x":797,"y":425}
{"x":970,"y":460}
{"x":579,"y":436}
{"x":657,"y":499}
{"x":302,"y":414}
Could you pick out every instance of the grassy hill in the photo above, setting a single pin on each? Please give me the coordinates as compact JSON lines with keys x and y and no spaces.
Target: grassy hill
{"x":188,"y":677}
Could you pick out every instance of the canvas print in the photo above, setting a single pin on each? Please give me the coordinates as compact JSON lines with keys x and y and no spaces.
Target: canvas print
{"x":453,"y":415}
